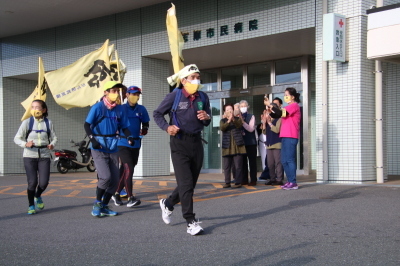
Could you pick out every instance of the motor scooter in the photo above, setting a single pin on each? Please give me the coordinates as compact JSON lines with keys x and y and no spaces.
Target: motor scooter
{"x":67,"y":159}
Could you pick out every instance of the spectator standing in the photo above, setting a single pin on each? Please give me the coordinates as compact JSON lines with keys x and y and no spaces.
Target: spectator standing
{"x":289,"y":134}
{"x":250,"y":141}
{"x":233,"y":147}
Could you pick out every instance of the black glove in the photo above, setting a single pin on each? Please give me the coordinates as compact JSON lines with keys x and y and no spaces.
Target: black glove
{"x":131,"y":141}
{"x":144,"y":131}
{"x":95,"y":143}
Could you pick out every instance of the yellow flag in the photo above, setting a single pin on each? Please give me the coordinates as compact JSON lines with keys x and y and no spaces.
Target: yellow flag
{"x":118,"y":68}
{"x":81,"y":83}
{"x":39,"y":93}
{"x":175,"y":39}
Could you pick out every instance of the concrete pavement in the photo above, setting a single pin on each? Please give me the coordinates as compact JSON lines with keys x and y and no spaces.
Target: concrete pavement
{"x":318,"y":224}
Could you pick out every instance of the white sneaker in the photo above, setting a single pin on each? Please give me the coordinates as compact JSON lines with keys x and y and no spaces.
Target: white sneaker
{"x":194,"y":228}
{"x":166,"y":214}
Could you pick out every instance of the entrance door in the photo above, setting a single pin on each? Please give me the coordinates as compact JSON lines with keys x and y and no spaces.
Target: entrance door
{"x":212,"y":150}
{"x":255,"y":99}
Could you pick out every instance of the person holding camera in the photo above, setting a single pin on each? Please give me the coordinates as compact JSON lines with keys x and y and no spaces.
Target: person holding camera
{"x":233,"y":147}
{"x":102,"y":125}
{"x":273,"y":145}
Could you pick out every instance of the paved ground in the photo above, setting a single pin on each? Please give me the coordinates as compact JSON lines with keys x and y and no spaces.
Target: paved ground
{"x":315,"y":225}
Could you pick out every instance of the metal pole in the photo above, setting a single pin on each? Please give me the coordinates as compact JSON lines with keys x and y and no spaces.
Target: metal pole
{"x":325,"y":166}
{"x":379,"y":115}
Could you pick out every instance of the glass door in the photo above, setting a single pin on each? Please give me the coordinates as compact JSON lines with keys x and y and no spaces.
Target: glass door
{"x":212,"y":150}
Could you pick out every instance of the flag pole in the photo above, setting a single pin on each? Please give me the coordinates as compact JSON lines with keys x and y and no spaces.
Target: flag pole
{"x":119,"y":74}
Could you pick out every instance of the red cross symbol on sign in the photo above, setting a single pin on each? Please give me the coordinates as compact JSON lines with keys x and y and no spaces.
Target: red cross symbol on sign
{"x":341,"y":23}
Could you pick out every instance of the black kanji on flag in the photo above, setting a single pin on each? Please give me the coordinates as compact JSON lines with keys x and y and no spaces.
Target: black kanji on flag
{"x":100,"y":72}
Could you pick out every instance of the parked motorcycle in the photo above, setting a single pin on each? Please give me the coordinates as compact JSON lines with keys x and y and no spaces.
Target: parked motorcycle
{"x":67,"y":159}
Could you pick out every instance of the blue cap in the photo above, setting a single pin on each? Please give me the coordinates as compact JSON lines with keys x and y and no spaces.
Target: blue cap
{"x":134,"y":89}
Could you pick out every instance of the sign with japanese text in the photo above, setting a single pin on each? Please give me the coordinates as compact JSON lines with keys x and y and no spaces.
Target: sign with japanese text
{"x":334,"y":37}
{"x":223,"y":30}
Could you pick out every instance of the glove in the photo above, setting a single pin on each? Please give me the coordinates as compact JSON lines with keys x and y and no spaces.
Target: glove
{"x":144,"y":131}
{"x":95,"y":143}
{"x":131,"y":141}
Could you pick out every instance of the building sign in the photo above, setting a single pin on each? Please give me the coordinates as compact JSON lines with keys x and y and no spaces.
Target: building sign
{"x":224,"y":30}
{"x":334,"y":37}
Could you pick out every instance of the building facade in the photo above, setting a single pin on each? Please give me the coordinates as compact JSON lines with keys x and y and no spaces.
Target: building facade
{"x":245,"y":49}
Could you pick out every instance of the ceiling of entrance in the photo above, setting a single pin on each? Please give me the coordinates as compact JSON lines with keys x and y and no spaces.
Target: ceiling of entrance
{"x":22,"y":16}
{"x":266,"y":48}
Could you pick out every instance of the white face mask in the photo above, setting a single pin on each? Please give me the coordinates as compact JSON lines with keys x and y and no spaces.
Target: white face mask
{"x":195,"y":81}
{"x":243,"y":110}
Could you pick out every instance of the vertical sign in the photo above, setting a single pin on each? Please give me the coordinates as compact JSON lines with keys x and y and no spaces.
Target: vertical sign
{"x":334,"y":37}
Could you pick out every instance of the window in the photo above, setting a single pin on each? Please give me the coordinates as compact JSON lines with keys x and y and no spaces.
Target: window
{"x":209,"y":80}
{"x":259,"y":74}
{"x":232,"y":78}
{"x":288,"y":71}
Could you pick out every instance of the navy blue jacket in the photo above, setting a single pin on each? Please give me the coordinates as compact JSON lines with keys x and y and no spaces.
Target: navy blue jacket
{"x":249,"y":137}
{"x":186,"y":113}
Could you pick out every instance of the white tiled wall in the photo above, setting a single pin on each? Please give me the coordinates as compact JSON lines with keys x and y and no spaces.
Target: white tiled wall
{"x":391,"y":116}
{"x":351,"y":101}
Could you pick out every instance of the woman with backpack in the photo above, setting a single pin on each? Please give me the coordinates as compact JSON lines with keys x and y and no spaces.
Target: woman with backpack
{"x":36,"y":135}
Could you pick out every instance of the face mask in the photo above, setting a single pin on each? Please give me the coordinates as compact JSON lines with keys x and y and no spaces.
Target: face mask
{"x":243,"y":110}
{"x":36,"y":113}
{"x":113,"y":96}
{"x":287,"y":99}
{"x":133,"y":99}
{"x":191,"y":88}
{"x":195,"y":81}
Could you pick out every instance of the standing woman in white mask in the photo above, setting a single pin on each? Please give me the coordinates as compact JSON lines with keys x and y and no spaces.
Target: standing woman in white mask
{"x":250,"y":142}
{"x":36,"y":135}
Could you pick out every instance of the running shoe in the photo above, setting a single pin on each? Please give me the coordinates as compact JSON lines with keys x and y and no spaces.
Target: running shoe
{"x":194,"y":228}
{"x":96,"y":209}
{"x":107,"y":212}
{"x":166,"y":213}
{"x":31,"y":210}
{"x":287,"y":183}
{"x":117,"y":199}
{"x":291,"y":186}
{"x":39,"y":203}
{"x":133,"y":202}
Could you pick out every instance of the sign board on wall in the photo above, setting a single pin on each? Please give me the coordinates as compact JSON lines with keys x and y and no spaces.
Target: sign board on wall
{"x":334,"y":37}
{"x":383,"y":37}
